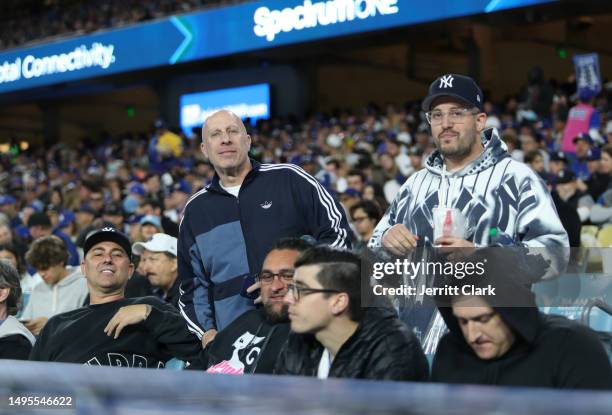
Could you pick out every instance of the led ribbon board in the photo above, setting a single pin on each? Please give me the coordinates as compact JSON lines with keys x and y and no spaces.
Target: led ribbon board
{"x":251,"y":101}
{"x":221,"y":31}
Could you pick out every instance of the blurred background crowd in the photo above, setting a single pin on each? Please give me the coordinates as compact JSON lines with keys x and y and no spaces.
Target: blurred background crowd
{"x":29,"y":21}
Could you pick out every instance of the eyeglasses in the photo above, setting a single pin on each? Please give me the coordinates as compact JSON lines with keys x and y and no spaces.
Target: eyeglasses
{"x":456,"y":116}
{"x":267,"y":277}
{"x":299,"y":292}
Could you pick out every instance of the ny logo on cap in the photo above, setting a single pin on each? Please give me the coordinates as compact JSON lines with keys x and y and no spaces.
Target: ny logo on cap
{"x":446,"y":81}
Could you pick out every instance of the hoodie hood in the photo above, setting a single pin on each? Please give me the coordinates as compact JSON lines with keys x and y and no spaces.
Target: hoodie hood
{"x":73,"y":276}
{"x":11,"y":326}
{"x":494,"y":151}
{"x":513,"y":300}
{"x":523,"y":321}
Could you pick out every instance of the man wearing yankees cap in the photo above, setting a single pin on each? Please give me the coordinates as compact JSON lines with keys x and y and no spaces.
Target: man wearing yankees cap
{"x":471,"y":193}
{"x":472,"y":172}
{"x":113,"y":330}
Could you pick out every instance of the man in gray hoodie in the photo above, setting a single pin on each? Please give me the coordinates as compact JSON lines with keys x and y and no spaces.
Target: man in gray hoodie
{"x":64,"y":288}
{"x":15,"y":340}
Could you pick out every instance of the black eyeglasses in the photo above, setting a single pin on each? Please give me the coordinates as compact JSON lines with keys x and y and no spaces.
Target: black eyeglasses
{"x":298,"y":292}
{"x":266,"y":277}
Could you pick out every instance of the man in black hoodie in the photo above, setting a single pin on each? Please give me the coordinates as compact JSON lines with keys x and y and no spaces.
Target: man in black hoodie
{"x":114,"y":330}
{"x":333,"y":336}
{"x":251,"y":343}
{"x":505,"y":340}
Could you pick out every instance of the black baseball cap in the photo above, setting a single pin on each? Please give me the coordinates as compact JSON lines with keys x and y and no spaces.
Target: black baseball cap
{"x":39,"y":219}
{"x":558,"y":156}
{"x":108,"y":234}
{"x":453,"y":85}
{"x":565,"y":176}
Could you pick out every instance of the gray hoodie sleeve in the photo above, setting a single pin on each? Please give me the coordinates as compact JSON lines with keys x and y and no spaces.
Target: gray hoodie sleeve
{"x":600,"y":214}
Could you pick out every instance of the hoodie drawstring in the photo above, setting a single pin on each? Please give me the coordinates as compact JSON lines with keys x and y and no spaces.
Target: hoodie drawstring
{"x":447,"y":190}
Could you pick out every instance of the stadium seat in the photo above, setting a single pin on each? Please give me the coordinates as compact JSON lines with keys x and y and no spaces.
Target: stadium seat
{"x":589,"y":255}
{"x":175,"y":364}
{"x":572,"y":313}
{"x":599,"y":320}
{"x":588,"y":236}
{"x":604,"y":237}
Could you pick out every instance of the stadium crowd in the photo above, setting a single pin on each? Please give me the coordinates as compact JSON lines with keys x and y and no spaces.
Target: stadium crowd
{"x":29,"y":21}
{"x":108,"y":199}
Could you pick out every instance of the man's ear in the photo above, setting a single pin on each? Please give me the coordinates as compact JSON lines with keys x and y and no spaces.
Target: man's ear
{"x":203,"y":149}
{"x":340,"y":304}
{"x":481,"y":122}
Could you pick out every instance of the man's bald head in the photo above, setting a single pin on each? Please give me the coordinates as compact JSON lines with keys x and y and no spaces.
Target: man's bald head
{"x":226,"y":144}
{"x":221,"y":114}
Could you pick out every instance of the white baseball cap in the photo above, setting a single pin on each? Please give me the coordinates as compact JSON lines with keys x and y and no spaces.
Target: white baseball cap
{"x":159,"y":242}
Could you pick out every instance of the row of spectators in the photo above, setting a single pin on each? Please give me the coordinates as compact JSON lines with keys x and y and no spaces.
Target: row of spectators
{"x":313,"y":321}
{"x":24,"y":22}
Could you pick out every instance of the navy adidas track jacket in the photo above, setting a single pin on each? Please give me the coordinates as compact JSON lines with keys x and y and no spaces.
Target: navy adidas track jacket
{"x":222,"y":238}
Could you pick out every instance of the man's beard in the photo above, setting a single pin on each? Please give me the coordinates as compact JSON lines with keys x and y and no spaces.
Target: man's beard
{"x":463,"y":145}
{"x":274,"y":316}
{"x":459,"y":152}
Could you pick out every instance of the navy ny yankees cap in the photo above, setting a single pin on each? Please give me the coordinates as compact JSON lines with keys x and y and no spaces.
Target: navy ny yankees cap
{"x":457,"y":86}
{"x":110,"y":235}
